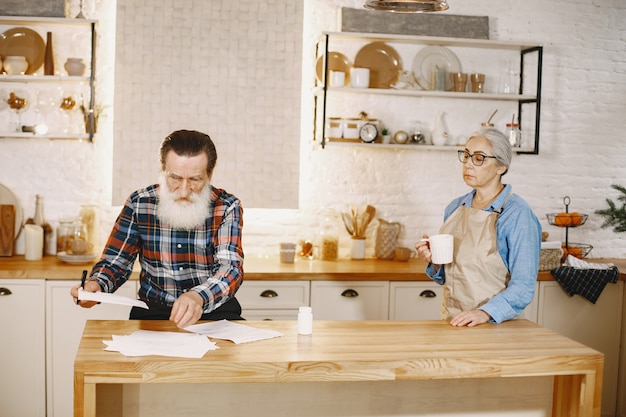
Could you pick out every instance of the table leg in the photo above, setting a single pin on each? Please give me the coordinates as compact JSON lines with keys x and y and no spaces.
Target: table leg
{"x":577,"y":395}
{"x":84,"y":397}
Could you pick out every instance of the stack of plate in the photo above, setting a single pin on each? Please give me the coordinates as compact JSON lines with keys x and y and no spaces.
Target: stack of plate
{"x":24,"y":42}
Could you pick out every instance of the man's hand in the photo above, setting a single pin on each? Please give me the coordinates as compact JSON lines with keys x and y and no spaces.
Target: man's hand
{"x":90,"y":286}
{"x":470,"y":318}
{"x":187,"y":309}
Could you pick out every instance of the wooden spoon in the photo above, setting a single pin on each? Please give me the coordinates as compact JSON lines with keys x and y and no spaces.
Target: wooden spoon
{"x":371,"y":210}
{"x":347,"y":221}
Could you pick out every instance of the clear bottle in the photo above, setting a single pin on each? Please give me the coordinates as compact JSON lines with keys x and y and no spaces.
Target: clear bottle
{"x":514,"y":134}
{"x":328,"y":236}
{"x":509,"y":80}
{"x":49,"y":244}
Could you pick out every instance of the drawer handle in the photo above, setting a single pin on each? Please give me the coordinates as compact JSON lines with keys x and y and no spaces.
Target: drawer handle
{"x":5,"y":291}
{"x":269,"y":294}
{"x":349,"y":293}
{"x":428,"y":294}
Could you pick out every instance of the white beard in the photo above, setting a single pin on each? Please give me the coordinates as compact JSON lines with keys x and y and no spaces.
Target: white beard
{"x":180,"y":213}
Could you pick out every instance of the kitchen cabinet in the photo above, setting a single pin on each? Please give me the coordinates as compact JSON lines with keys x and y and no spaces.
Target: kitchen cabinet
{"x":595,"y":325}
{"x":58,"y":106}
{"x":64,"y":322}
{"x":415,"y":300}
{"x":422,"y":301}
{"x":350,"y":300}
{"x":273,"y":300}
{"x":22,"y":348}
{"x":390,"y":106}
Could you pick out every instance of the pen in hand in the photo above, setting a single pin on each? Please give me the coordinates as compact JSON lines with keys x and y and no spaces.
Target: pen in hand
{"x":82,"y":283}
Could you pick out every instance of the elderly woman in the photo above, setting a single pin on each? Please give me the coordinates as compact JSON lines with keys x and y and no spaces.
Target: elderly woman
{"x":497,"y":240}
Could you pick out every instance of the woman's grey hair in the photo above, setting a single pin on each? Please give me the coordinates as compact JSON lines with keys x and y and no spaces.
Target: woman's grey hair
{"x":502,"y":149}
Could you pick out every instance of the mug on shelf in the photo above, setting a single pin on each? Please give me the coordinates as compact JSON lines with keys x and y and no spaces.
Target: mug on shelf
{"x":360,"y":77}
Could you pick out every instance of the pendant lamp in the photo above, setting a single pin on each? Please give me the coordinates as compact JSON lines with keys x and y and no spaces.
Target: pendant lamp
{"x":407,"y":6}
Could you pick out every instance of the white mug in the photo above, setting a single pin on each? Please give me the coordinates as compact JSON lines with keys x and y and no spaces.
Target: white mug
{"x":337,"y":78}
{"x":360,"y":77}
{"x":441,"y":248}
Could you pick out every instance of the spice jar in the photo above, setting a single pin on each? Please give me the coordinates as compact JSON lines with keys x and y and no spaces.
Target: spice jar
{"x":328,"y":236}
{"x":514,"y":134}
{"x":65,"y":233}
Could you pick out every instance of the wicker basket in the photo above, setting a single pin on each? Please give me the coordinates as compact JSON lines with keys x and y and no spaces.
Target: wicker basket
{"x":550,"y":259}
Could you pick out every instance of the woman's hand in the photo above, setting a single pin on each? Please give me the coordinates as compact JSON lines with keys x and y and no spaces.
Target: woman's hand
{"x":423,"y":249}
{"x":470,"y":318}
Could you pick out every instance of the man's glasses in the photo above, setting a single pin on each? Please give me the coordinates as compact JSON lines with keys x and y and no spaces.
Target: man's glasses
{"x":477,"y":158}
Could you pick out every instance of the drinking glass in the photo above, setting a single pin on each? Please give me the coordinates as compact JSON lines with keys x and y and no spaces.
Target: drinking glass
{"x":48,"y":100}
{"x":18,"y":101}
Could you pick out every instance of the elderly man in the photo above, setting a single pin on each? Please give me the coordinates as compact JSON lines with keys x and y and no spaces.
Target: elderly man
{"x":187,"y":234}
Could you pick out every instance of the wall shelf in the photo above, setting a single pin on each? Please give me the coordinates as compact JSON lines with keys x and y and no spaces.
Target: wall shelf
{"x":74,"y":38}
{"x":525,"y":104}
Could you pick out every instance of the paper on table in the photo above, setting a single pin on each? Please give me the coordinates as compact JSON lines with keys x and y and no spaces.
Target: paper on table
{"x":237,"y":333}
{"x":105,"y":297}
{"x":147,"y":342}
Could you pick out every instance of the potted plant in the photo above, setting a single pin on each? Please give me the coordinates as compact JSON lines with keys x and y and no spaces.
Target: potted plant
{"x":615,"y":216}
{"x":386,"y":135}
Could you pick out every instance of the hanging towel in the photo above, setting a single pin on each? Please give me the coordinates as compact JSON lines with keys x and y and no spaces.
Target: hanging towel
{"x":585,"y":278}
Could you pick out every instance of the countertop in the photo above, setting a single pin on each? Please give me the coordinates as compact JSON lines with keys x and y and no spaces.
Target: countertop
{"x":52,"y":268}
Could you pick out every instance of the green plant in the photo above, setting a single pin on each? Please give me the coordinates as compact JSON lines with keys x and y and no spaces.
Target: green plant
{"x":615,"y":216}
{"x":385,"y":132}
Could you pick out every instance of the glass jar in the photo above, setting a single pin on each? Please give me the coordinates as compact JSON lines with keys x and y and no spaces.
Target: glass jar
{"x":328,"y":236}
{"x":89,"y":218}
{"x":514,"y":134}
{"x":65,"y":233}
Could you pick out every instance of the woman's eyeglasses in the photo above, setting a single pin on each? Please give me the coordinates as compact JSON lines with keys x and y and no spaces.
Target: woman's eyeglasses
{"x":477,"y":158}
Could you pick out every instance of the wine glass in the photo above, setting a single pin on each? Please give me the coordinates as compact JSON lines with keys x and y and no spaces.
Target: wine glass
{"x":68,"y":104}
{"x":48,"y":100}
{"x":18,"y":101}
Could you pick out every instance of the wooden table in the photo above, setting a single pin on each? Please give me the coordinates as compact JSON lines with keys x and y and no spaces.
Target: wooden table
{"x":355,"y":351}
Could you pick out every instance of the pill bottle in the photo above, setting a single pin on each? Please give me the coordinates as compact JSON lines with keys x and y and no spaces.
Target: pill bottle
{"x":305,"y":320}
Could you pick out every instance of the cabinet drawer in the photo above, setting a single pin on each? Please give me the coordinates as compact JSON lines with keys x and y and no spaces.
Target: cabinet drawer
{"x":350,"y":300}
{"x":261,"y":314}
{"x":415,"y":301}
{"x":273,"y":294}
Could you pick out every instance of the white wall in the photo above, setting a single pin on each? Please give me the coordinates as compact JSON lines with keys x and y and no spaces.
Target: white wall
{"x":582,"y":152}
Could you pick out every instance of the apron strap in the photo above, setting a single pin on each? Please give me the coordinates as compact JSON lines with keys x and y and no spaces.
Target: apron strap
{"x":499,"y":210}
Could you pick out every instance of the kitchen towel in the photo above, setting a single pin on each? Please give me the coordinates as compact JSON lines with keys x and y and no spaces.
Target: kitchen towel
{"x":585,"y":278}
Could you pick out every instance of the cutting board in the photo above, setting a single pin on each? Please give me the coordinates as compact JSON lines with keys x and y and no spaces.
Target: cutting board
{"x":7,"y":229}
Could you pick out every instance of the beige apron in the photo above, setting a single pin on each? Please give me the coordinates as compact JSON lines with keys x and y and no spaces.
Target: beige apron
{"x":477,"y":272}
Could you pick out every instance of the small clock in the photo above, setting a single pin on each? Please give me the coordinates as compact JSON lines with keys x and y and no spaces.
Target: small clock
{"x":368,"y":132}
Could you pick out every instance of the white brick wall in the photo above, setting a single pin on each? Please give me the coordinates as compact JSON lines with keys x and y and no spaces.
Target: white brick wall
{"x":582,"y":152}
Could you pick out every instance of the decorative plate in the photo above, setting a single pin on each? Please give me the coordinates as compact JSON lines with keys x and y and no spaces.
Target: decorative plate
{"x":23,"y":42}
{"x":383,"y":61}
{"x":7,"y":197}
{"x":76,"y":259}
{"x":336,"y":62}
{"x":429,"y":57}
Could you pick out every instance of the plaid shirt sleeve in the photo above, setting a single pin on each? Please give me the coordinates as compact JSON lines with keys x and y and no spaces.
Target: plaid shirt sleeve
{"x":208,"y":259}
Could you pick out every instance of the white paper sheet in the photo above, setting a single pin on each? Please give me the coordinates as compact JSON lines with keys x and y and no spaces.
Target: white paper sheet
{"x":237,"y":333}
{"x":147,"y":342}
{"x":105,"y":297}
